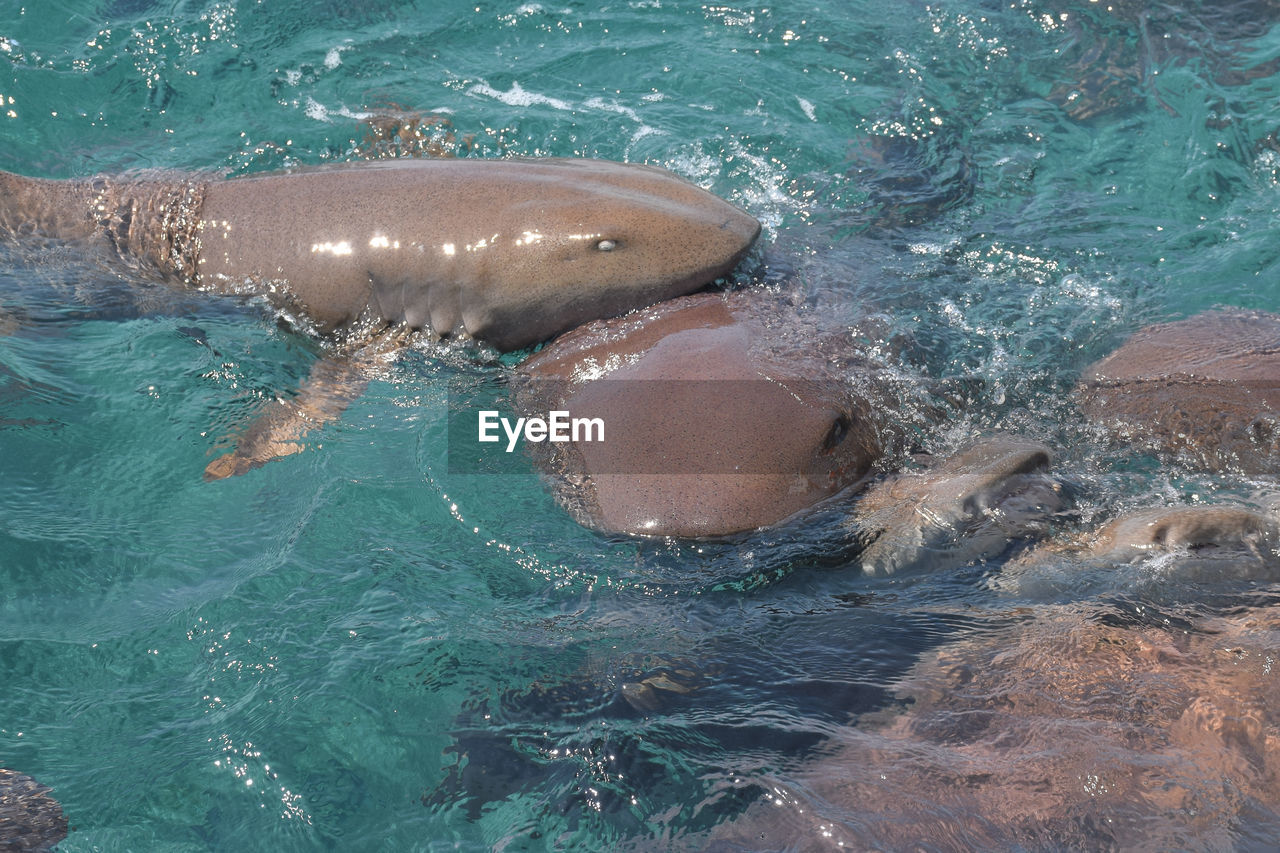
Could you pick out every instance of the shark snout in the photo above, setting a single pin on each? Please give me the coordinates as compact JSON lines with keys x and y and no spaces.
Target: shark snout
{"x":743,"y":226}
{"x":739,"y":228}
{"x":742,"y":230}
{"x":720,"y":240}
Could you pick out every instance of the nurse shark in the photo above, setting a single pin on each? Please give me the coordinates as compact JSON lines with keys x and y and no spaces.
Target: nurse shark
{"x":510,"y":252}
{"x":721,"y":413}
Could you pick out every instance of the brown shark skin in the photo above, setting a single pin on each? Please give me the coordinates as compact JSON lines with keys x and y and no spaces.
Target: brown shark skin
{"x":1206,"y":389}
{"x":716,"y":419}
{"x":511,"y":252}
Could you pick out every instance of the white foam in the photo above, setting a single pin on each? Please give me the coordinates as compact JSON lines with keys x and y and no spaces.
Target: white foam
{"x":517,"y":96}
{"x":768,"y":197}
{"x":612,"y":107}
{"x":318,"y":111}
{"x":333,"y":58}
{"x":643,"y":131}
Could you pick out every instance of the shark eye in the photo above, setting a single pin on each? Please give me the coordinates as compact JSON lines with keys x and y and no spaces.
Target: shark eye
{"x":837,"y":434}
{"x":607,"y":245}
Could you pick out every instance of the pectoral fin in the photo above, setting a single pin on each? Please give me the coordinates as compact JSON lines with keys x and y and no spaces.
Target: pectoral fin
{"x":333,"y":384}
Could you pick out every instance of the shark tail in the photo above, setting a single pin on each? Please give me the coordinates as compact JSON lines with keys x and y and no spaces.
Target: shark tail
{"x":154,"y":220}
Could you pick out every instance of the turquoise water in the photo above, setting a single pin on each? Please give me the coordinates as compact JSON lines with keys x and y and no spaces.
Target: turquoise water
{"x":294,"y":659}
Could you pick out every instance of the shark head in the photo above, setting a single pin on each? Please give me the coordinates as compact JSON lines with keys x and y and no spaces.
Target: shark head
{"x":579,"y":240}
{"x":713,"y":422}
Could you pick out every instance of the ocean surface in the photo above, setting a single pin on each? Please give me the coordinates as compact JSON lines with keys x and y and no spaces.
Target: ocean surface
{"x":356,"y":649}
